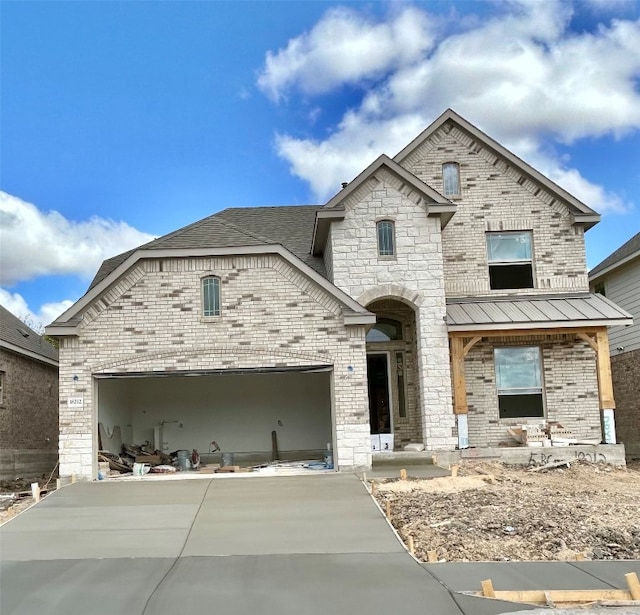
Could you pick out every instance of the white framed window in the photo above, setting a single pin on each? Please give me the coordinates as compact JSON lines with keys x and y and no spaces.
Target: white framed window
{"x":386,"y":238}
{"x":510,"y":260}
{"x":519,"y":381}
{"x":451,"y":179}
{"x":210,"y":296}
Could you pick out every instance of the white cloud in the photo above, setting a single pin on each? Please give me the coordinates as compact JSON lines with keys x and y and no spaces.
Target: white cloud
{"x":36,"y":243}
{"x":523,"y":76}
{"x":346,"y":47}
{"x":48,"y":312}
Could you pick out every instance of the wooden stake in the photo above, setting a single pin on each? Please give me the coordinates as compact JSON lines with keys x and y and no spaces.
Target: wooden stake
{"x":364,"y":478}
{"x":35,"y":491}
{"x":633,"y":584}
{"x":403,"y":474}
{"x":454,"y":470}
{"x":58,"y":483}
{"x":579,"y":557}
{"x":432,"y":557}
{"x":412,"y":549}
{"x":73,"y":478}
{"x":388,"y":506}
{"x":374,"y":487}
{"x":487,"y":589}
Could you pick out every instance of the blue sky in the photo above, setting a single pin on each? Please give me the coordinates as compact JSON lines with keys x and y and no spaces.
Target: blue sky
{"x":126,"y":120}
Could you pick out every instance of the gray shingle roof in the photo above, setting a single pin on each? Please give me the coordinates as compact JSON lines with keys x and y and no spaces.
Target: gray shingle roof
{"x":289,"y":226}
{"x":533,"y":312}
{"x":624,"y":251}
{"x":15,"y":333}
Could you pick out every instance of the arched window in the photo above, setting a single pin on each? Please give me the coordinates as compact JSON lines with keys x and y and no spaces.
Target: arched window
{"x":385,"y":330}
{"x":450,"y":179}
{"x":386,"y":238}
{"x":211,"y":296}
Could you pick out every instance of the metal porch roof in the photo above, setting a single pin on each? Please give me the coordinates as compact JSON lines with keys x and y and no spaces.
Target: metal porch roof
{"x":531,"y":312}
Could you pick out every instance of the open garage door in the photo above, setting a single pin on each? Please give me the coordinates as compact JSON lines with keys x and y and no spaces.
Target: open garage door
{"x":239,"y":410}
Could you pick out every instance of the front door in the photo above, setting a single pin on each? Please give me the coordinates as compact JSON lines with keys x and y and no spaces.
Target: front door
{"x":378,"y":380}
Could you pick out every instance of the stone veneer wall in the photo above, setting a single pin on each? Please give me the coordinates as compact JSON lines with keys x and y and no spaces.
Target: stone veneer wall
{"x":625,"y":368}
{"x":570,"y":381}
{"x":28,"y":417}
{"x":414,"y":276}
{"x":271,"y":316}
{"x":495,"y":197}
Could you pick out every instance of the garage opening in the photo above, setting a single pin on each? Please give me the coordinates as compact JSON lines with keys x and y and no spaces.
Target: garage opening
{"x":239,"y":411}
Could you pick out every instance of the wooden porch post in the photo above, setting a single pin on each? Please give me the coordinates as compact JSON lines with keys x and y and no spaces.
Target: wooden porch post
{"x":457,"y":372}
{"x":605,"y":383}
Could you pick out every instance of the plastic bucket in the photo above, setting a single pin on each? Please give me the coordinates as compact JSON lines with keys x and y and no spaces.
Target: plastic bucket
{"x":227,"y":459}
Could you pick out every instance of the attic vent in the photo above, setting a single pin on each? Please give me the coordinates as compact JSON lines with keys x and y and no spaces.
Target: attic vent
{"x":23,"y":333}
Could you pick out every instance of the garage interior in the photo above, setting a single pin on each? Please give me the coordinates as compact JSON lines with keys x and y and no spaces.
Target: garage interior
{"x":237,"y":410}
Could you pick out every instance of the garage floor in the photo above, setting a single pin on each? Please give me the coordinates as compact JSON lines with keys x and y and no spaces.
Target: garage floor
{"x":282,"y":545}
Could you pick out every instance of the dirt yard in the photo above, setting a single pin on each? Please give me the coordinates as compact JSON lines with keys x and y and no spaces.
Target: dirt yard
{"x":492,"y":512}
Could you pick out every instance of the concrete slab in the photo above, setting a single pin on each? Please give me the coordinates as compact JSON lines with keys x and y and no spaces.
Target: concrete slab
{"x":468,"y":576}
{"x":76,"y":587}
{"x":317,"y":514}
{"x":472,"y":605}
{"x":611,"y":572}
{"x":295,"y":584}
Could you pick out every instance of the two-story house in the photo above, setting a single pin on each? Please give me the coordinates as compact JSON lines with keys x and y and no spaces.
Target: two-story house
{"x":618,"y":278}
{"x":440,"y":297}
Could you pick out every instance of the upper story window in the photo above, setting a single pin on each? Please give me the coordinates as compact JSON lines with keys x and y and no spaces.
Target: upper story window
{"x":211,"y":296}
{"x":600,"y":289}
{"x":385,"y":330}
{"x":519,"y":382}
{"x":510,"y":261}
{"x":386,"y":238}
{"x":451,"y":179}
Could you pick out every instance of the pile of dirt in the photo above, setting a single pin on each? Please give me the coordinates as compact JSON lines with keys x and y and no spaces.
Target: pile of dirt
{"x":493,"y":512}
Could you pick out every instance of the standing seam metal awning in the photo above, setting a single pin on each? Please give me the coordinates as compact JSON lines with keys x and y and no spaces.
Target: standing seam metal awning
{"x":531,"y":312}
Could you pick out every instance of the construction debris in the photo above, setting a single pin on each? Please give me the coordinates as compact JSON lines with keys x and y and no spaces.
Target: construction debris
{"x":585,"y":511}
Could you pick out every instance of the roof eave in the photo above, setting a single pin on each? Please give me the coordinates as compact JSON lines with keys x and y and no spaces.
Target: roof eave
{"x":321,"y":228}
{"x":559,"y":324}
{"x":614,"y":266}
{"x":27,"y":353}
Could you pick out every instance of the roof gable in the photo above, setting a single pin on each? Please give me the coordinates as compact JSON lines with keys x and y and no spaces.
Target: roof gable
{"x":435,"y":203}
{"x":581,"y":212}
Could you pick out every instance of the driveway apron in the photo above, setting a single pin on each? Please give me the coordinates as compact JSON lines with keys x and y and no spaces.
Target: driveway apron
{"x":281,"y":545}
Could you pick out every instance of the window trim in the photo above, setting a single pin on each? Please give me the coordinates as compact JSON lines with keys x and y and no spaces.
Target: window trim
{"x":383,"y":252}
{"x":451,"y":164}
{"x":538,"y":390}
{"x":510,"y":262}
{"x":204,"y":280}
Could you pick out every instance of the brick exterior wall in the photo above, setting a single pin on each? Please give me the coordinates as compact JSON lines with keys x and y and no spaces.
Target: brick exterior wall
{"x":625,"y":368}
{"x":28,"y":417}
{"x":414,"y":275}
{"x":496,"y":197}
{"x":570,"y":383}
{"x":271,"y":316}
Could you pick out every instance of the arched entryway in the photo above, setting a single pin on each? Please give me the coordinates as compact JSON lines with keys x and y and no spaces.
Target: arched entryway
{"x":392,"y":374}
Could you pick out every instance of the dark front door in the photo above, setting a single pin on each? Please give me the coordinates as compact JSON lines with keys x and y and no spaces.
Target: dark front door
{"x":378,"y":379}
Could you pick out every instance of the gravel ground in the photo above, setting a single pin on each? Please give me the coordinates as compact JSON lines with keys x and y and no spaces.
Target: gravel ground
{"x":492,"y":512}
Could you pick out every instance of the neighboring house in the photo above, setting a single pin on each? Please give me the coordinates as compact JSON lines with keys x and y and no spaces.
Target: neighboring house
{"x":440,"y":297}
{"x":28,"y":401}
{"x":617,"y":277}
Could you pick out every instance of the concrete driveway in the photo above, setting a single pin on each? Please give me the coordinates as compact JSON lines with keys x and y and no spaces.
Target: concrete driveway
{"x":303,"y":545}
